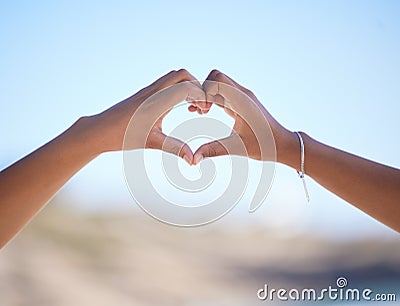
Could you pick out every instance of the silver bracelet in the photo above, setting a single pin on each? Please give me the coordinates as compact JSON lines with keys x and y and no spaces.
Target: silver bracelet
{"x":301,"y":173}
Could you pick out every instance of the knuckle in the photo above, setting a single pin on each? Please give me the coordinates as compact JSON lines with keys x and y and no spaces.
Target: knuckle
{"x":182,"y":72}
{"x":201,"y":104}
{"x":248,"y":92}
{"x":220,"y":77}
{"x":203,"y":149}
{"x":215,"y":71}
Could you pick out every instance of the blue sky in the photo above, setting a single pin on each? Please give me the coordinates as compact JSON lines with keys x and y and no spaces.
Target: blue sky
{"x":329,"y":68}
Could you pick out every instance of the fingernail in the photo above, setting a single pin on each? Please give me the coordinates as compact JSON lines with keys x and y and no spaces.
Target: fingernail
{"x":198,"y":158}
{"x":187,"y":159}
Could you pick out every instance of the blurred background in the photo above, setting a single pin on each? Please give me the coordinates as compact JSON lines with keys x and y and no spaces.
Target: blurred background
{"x":330,"y":69}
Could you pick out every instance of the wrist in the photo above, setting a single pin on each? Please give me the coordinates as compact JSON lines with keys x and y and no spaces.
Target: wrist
{"x":88,"y":135}
{"x":288,"y":150}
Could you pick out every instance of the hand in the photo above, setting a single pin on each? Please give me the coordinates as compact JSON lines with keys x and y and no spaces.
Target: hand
{"x":255,"y":134}
{"x":47,"y":169}
{"x":147,"y":117}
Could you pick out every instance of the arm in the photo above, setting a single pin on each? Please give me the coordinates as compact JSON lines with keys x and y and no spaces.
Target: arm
{"x":30,"y":183}
{"x":27,"y":185}
{"x":371,"y":187}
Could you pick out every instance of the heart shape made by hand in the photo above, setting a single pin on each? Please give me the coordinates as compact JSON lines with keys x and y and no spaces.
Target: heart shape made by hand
{"x":252,"y":136}
{"x":253,"y":133}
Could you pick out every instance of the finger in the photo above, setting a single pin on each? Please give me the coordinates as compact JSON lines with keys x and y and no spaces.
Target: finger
{"x":209,"y":85}
{"x":158,"y":105}
{"x":240,"y":87}
{"x":158,"y":140}
{"x":175,"y":146}
{"x":192,"y":108}
{"x":234,"y":99}
{"x":220,"y":77}
{"x":206,"y":105}
{"x":194,"y":92}
{"x":212,"y":74}
{"x":171,"y":78}
{"x":172,"y":95}
{"x":213,"y":87}
{"x":216,"y":73}
{"x":220,"y":93}
{"x":207,"y":109}
{"x":229,"y":145}
{"x":202,"y":105}
{"x":177,"y":76}
{"x":211,"y":149}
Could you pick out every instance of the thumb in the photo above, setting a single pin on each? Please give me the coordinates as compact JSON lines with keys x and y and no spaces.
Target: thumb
{"x":171,"y":145}
{"x":214,"y":148}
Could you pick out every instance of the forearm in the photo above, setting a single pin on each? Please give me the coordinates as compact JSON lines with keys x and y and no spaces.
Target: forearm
{"x":27,"y":185}
{"x":372,"y":187}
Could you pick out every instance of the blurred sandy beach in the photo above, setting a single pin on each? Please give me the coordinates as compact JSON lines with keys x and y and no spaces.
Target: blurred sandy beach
{"x":88,"y":258}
